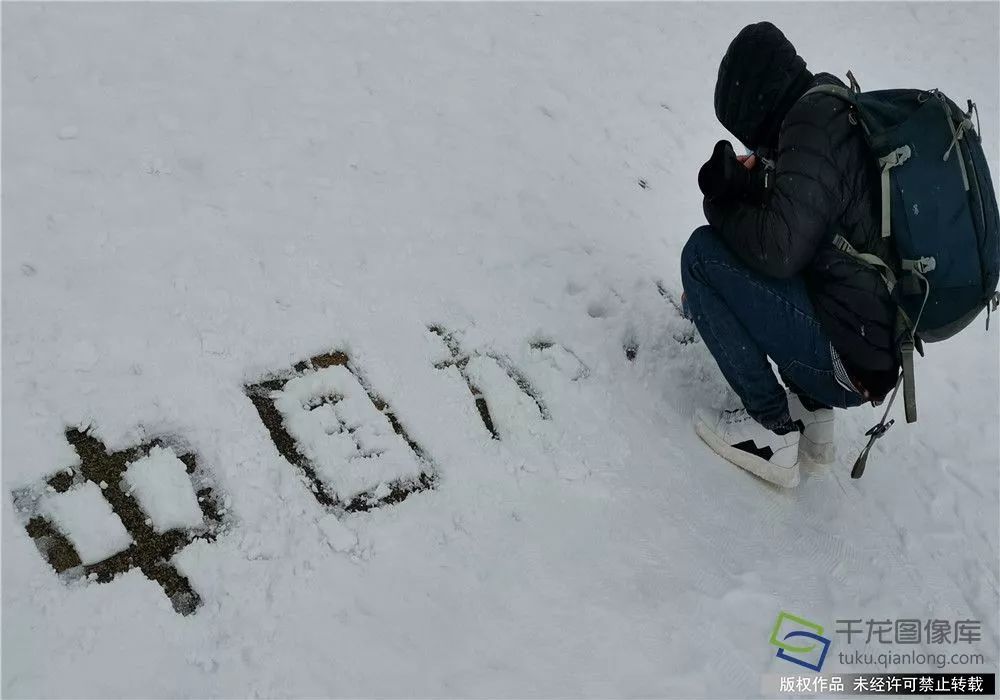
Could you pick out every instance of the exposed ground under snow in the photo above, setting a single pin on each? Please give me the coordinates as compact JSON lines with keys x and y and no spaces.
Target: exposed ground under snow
{"x":197,"y":197}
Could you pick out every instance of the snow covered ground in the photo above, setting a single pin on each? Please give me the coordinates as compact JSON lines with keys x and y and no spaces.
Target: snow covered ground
{"x":198,"y":197}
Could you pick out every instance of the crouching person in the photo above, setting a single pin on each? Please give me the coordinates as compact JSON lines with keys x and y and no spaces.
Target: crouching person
{"x":764,"y":280}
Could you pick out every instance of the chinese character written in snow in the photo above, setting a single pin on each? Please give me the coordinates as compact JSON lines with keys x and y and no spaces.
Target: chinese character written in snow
{"x":848,"y":628}
{"x":938,"y":631}
{"x":879,"y":629}
{"x":907,"y":631}
{"x":967,"y":631}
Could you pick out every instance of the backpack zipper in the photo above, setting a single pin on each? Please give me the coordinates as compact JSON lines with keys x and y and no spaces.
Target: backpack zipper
{"x":982,"y":219}
{"x":975,"y":175}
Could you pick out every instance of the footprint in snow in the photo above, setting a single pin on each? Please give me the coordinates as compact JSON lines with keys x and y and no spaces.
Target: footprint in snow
{"x":600,"y":309}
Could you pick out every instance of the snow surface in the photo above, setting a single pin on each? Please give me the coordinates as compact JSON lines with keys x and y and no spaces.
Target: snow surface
{"x":87,"y":520}
{"x":338,"y":536}
{"x":196,"y":195}
{"x":160,"y":483}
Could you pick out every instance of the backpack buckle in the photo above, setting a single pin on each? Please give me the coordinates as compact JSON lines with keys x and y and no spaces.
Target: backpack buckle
{"x":922,"y":265}
{"x":878,"y":430}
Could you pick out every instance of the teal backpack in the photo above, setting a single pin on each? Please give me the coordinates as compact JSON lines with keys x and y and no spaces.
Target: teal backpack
{"x":940,"y":211}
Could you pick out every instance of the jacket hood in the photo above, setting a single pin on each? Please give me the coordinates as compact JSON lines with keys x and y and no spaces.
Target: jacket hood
{"x":760,"y":78}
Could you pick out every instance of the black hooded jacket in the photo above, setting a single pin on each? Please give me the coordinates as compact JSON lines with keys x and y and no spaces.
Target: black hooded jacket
{"x":825,"y":182}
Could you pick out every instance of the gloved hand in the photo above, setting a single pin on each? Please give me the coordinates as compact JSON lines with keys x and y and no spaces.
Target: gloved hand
{"x":724,"y":176}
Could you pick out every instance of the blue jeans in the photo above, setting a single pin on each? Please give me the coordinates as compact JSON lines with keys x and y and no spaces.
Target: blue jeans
{"x":745,"y":318}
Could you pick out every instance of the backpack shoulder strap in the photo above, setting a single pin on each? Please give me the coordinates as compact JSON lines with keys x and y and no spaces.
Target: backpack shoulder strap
{"x":905,"y":380}
{"x":885,"y":163}
{"x":888,"y":276}
{"x":845,"y":94}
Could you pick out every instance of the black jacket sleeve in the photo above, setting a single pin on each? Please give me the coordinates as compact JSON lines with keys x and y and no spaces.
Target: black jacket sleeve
{"x":780,"y":236}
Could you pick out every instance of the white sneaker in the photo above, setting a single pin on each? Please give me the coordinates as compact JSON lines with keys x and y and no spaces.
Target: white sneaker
{"x":817,"y":431}
{"x":746,"y":443}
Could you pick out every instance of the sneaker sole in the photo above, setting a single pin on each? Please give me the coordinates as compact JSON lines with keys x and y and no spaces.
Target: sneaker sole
{"x":786,"y":477}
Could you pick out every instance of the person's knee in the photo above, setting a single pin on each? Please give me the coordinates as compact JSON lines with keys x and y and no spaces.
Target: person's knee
{"x":702,"y":240}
